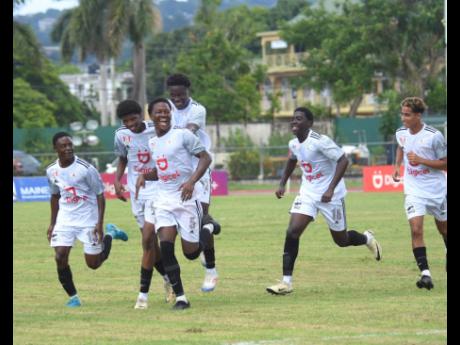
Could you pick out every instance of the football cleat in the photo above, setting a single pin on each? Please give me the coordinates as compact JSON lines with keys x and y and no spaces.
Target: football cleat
{"x":74,"y":302}
{"x":116,"y":233}
{"x":425,"y":282}
{"x":210,"y":282}
{"x":179,"y":305}
{"x":373,"y":245}
{"x":281,"y":288}
{"x":141,"y":303}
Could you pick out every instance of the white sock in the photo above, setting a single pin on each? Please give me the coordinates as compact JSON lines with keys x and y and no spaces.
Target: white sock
{"x":181,"y":298}
{"x":76,"y":295}
{"x":287,"y":279}
{"x":209,"y":227}
{"x":212,"y":271}
{"x":143,"y":295}
{"x":426,"y":273}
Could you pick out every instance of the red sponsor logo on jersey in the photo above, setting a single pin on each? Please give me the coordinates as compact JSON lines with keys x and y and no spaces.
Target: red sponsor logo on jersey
{"x":415,"y":172}
{"x":162,"y":163}
{"x":414,"y":164}
{"x":169,"y":177}
{"x":74,"y":198}
{"x":310,"y":178}
{"x":306,"y":167}
{"x":143,"y":157}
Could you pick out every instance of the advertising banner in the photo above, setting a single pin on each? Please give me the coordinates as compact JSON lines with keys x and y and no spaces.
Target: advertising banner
{"x":378,"y":178}
{"x":219,"y":183}
{"x":109,"y":188}
{"x":31,"y":189}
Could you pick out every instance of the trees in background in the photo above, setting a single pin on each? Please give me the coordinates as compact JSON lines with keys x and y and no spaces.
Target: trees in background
{"x":401,"y":40}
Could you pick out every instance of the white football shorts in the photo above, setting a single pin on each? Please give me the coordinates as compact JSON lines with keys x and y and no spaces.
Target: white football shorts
{"x":333,"y":211}
{"x":186,"y":216}
{"x":416,"y":206}
{"x":143,"y":210}
{"x":64,"y":236}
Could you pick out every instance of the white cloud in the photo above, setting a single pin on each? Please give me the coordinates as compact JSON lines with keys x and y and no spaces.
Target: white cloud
{"x":37,"y":6}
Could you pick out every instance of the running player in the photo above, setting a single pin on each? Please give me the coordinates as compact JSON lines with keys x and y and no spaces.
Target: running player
{"x":424,"y":151}
{"x":131,"y":148}
{"x":77,"y":212}
{"x":323,"y":164}
{"x":177,"y":208}
{"x":188,"y":113}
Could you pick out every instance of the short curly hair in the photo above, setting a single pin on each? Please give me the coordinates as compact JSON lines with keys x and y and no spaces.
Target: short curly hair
{"x":416,"y":104}
{"x":178,"y":79}
{"x":128,"y":107}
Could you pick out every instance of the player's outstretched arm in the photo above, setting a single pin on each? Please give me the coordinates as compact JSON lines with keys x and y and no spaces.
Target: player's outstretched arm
{"x":98,"y":230}
{"x":397,"y":165}
{"x":288,"y":169}
{"x":439,"y":164}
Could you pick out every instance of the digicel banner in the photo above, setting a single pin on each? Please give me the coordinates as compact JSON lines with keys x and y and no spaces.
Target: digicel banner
{"x":378,"y":178}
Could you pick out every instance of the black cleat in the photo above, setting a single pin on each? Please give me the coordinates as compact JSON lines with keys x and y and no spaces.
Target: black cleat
{"x":181,"y":305}
{"x":425,"y":282}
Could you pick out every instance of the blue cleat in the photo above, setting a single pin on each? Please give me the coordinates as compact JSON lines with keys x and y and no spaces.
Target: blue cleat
{"x":115,"y":232}
{"x":74,"y":302}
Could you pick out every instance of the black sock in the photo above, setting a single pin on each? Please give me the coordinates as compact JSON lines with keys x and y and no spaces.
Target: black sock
{"x":291,"y":249}
{"x":146,"y":278}
{"x":65,"y":277}
{"x":209,"y":257}
{"x":420,"y":257}
{"x":355,"y":238}
{"x":159,"y":267}
{"x":107,"y":240}
{"x":205,"y":239}
{"x":171,"y":266}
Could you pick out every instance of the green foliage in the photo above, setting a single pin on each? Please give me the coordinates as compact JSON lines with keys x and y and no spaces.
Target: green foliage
{"x":436,"y":97}
{"x":245,"y":158}
{"x":279,"y":139}
{"x":30,"y":107}
{"x":66,"y":69}
{"x":390,"y":118}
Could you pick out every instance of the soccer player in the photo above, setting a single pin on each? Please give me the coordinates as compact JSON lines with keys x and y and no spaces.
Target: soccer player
{"x":323,"y":165}
{"x":188,"y":113}
{"x":177,"y":208}
{"x":424,"y":151}
{"x":131,"y":147}
{"x":77,"y":211}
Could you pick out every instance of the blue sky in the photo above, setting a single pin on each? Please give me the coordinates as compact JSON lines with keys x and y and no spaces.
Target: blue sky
{"x":36,"y":6}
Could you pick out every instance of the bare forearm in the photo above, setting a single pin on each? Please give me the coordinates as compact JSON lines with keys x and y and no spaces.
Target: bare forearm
{"x":121,"y":167}
{"x":340,"y":169}
{"x":399,"y":157}
{"x":101,"y":207}
{"x":203,"y":165}
{"x":439,"y":164}
{"x":54,"y":202}
{"x":289,"y":168}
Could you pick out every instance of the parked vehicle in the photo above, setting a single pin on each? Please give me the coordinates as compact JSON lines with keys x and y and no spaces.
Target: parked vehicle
{"x":25,"y":164}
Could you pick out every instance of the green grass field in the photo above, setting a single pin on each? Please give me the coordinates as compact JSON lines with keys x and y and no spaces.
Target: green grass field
{"x":341,"y":295}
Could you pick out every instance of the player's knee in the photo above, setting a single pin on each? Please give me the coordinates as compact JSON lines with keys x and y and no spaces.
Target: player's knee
{"x":61,"y":260}
{"x":193,"y":255}
{"x":293,"y":233}
{"x":93,"y":265}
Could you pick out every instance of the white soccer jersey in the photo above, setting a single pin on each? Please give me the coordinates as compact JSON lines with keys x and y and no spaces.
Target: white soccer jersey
{"x":135,"y":147}
{"x":194,"y":113}
{"x":78,"y":184}
{"x":317,"y":156}
{"x":173,"y":154}
{"x":420,"y":180}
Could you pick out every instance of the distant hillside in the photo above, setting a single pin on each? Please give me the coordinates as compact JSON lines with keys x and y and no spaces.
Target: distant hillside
{"x":175,"y":14}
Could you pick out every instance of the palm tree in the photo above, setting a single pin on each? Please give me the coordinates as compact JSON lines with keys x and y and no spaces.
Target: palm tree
{"x":135,"y":19}
{"x":84,"y":29}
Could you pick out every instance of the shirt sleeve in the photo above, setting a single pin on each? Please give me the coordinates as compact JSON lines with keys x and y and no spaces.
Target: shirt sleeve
{"x":119,"y":148}
{"x":439,"y":146}
{"x":192,"y":143}
{"x":291,"y":154}
{"x":330,"y":149}
{"x":54,"y":189}
{"x":94,"y":180}
{"x":198,"y":117}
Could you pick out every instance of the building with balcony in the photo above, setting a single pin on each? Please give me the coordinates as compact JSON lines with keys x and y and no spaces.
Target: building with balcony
{"x":284,"y":65}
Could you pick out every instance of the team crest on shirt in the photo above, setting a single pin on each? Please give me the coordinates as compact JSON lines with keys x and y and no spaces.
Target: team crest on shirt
{"x":162,"y":163}
{"x":126,"y":139}
{"x":143,"y":157}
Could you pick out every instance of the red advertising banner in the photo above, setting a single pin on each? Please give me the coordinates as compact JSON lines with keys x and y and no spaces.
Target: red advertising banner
{"x":219,"y":184}
{"x":378,"y":178}
{"x":109,"y":188}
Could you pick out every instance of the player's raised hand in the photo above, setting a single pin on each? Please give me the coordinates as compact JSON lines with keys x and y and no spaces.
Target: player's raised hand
{"x":140,"y":182}
{"x":327,"y":196}
{"x":187,"y":190}
{"x":280,"y":192}
{"x":396,"y":176}
{"x":119,"y":190}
